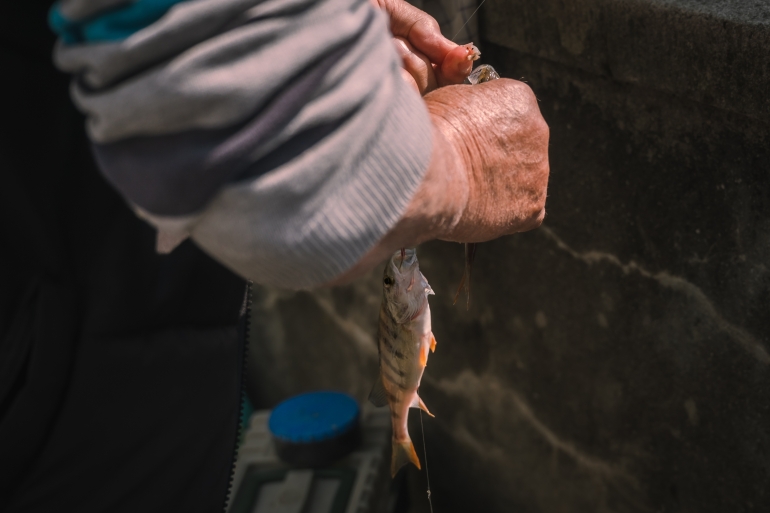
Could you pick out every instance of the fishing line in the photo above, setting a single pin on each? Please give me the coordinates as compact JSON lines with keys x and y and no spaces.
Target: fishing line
{"x":422,"y":426}
{"x":425,"y":453}
{"x":469,"y":19}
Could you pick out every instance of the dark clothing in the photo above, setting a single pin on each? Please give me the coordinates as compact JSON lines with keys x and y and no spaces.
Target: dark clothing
{"x":120,"y":368}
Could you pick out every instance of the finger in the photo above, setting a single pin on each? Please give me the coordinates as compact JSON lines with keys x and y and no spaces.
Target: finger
{"x":418,"y":27}
{"x":417,"y":65}
{"x":409,"y":79}
{"x":457,"y":65}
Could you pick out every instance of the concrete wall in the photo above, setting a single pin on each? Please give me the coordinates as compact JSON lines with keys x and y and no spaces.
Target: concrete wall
{"x":616,"y":359}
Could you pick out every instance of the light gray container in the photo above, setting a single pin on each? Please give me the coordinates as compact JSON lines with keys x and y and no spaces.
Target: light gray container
{"x":358,"y":483}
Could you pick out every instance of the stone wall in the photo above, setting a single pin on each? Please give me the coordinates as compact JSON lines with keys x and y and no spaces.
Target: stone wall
{"x":617,"y":358}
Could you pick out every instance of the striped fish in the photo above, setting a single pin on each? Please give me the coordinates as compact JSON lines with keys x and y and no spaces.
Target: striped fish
{"x":404,"y":339}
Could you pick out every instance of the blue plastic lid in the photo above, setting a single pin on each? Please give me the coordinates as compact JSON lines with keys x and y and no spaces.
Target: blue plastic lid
{"x":313,"y":417}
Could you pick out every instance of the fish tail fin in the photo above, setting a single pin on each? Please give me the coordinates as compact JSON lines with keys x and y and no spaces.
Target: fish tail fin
{"x":403,"y":453}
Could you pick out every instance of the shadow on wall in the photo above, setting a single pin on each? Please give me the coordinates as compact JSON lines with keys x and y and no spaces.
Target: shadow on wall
{"x":616,"y":359}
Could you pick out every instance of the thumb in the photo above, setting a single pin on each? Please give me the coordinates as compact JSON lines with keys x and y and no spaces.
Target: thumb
{"x":457,"y":65}
{"x":419,"y":28}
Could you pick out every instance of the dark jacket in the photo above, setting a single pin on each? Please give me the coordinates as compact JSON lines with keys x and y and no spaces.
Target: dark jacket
{"x":120,"y":368}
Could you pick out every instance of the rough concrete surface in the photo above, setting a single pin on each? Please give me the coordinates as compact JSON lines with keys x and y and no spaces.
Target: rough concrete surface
{"x":617,"y":359}
{"x":714,"y":51}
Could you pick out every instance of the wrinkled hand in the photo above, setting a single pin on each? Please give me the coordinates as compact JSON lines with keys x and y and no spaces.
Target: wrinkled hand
{"x":495,"y":134}
{"x":487,"y":176}
{"x":429,"y":59}
{"x":488,"y":172}
{"x":492,"y":142}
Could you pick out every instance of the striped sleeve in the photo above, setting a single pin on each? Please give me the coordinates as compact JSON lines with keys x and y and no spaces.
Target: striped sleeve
{"x":277,"y":134}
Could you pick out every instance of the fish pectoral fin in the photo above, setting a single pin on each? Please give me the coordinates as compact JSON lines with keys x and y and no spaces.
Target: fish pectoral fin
{"x":378,"y":396}
{"x":417,"y":403}
{"x":423,"y":357}
{"x":432,"y":343}
{"x":428,"y":289}
{"x":403,"y":453}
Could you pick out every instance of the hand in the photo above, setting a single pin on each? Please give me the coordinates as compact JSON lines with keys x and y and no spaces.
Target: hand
{"x":429,"y":59}
{"x":495,"y":133}
{"x":487,"y":176}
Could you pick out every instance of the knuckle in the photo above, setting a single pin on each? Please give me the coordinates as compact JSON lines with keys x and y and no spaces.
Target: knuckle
{"x":525,"y":104}
{"x":524,"y":89}
{"x":536,"y":217}
{"x":431,"y":23}
{"x":522,"y":92}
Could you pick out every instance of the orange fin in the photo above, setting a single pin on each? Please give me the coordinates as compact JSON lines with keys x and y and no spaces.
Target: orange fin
{"x":403,"y":453}
{"x":423,"y":357}
{"x":432,"y":343}
{"x":417,"y":403}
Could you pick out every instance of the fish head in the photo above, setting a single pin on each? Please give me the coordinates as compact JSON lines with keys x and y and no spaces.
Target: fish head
{"x":405,"y":289}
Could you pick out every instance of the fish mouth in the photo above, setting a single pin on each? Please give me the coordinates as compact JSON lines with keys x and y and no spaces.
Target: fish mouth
{"x":404,"y":257}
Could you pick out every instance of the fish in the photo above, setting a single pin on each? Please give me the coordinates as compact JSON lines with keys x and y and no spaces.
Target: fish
{"x":482,"y":73}
{"x":404,"y":339}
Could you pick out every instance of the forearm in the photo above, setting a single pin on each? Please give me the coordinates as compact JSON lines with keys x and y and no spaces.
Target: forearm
{"x":285,"y":161}
{"x":433,"y":212}
{"x":296,"y":182}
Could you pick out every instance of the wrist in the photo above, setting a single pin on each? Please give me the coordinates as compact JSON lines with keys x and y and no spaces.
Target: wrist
{"x":446,"y":182}
{"x":452,"y":155}
{"x":434,"y":212}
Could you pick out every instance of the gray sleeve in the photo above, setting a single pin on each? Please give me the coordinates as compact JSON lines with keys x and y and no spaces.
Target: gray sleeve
{"x":277,"y":134}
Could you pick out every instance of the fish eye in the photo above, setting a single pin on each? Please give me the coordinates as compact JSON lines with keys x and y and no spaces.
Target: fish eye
{"x":388,"y":281}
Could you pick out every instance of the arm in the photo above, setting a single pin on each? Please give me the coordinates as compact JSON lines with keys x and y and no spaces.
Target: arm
{"x":489,"y":169}
{"x":488,"y":172}
{"x":279,"y":136}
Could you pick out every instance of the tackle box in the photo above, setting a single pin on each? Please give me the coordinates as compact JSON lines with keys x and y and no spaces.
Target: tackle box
{"x":358,"y":483}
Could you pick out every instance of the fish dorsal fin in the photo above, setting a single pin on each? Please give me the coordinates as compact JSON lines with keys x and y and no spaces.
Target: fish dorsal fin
{"x":378,"y":396}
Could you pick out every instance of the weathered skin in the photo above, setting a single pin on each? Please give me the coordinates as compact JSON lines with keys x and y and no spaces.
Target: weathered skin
{"x":483,"y":73}
{"x":404,"y":340}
